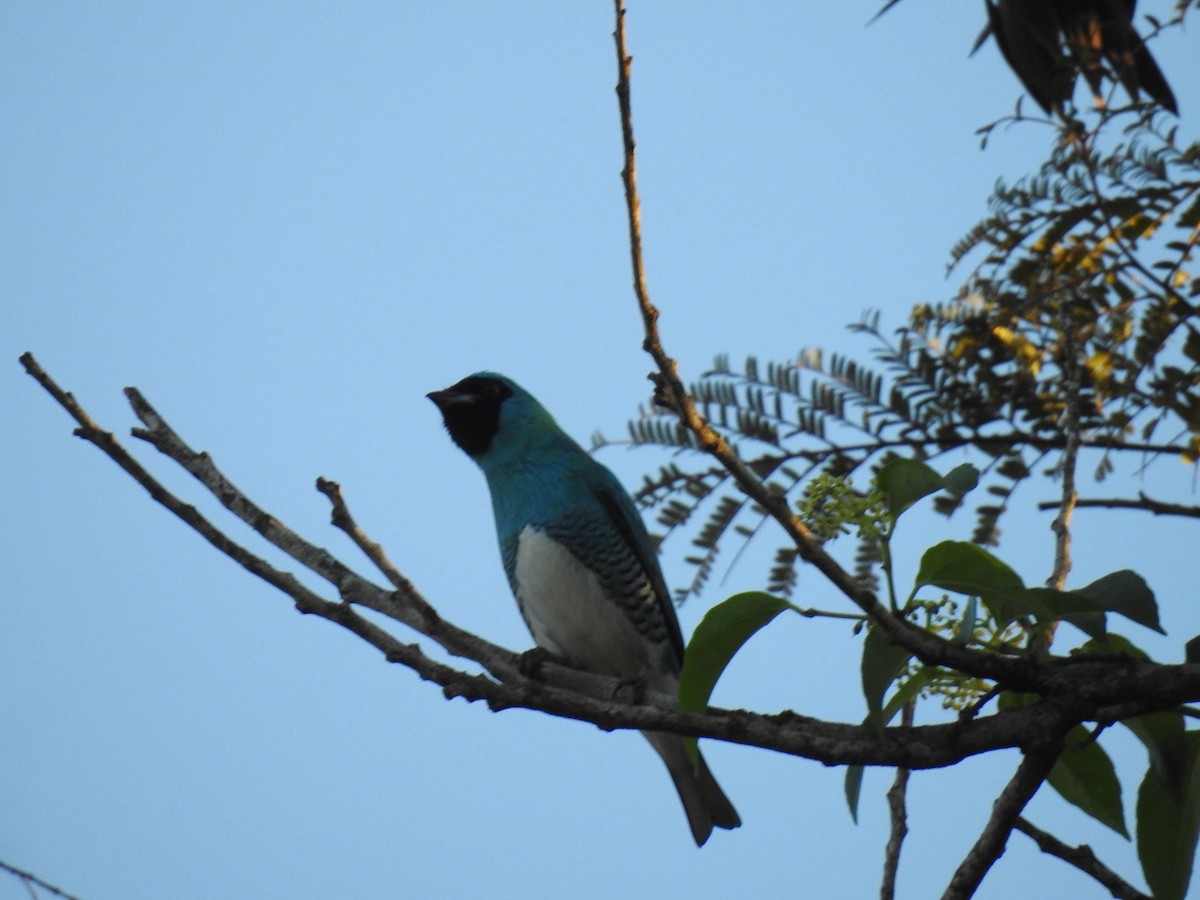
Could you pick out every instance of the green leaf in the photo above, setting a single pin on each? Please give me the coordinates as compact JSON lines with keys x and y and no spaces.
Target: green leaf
{"x":1013,"y":700}
{"x":1071,"y":606}
{"x":962,"y":479}
{"x":854,"y":779}
{"x":905,"y":481}
{"x":1168,"y":824}
{"x":966,"y":627}
{"x":1168,"y":801}
{"x":905,"y":693}
{"x":882,"y":661}
{"x":1111,"y":645}
{"x":1163,"y":735}
{"x":1033,"y":602}
{"x":1084,"y":776}
{"x":718,"y":637}
{"x":966,"y":568}
{"x":1125,"y":592}
{"x":720,"y":634}
{"x":1190,"y":217}
{"x":1192,"y":650}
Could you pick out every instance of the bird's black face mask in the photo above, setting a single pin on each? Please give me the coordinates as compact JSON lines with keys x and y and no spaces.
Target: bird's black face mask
{"x":471,"y":411}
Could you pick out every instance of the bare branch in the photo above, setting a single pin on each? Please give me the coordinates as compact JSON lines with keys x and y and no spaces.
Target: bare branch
{"x":898,"y":813}
{"x":929,"y":648}
{"x":31,"y":881}
{"x":405,"y":604}
{"x":938,"y":444}
{"x":1082,"y":858}
{"x":105,"y":441}
{"x":669,"y":390}
{"x":1072,"y":384}
{"x":1147,"y":504}
{"x":1034,"y":767}
{"x":1076,"y":689}
{"x":341,"y":518}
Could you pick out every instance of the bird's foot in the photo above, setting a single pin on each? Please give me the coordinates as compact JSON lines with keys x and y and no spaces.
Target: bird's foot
{"x":631,"y":690}
{"x":530,"y":662}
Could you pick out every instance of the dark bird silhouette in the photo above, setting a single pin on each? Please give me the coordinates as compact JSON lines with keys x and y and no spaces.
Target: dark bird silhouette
{"x":1046,"y":42}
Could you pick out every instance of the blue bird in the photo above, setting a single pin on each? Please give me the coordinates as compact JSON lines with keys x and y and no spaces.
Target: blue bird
{"x":579,"y":561}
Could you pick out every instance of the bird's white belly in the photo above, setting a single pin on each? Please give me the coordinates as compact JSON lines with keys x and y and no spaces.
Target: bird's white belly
{"x":569,"y":614}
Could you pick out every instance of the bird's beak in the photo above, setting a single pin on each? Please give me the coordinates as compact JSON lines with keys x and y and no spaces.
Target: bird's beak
{"x":446,"y":398}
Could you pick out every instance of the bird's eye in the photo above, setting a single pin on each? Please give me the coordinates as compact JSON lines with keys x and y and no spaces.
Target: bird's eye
{"x":489,"y":389}
{"x":481,"y":389}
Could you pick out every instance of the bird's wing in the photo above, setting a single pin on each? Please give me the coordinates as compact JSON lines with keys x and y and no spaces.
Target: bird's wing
{"x":624,"y":518}
{"x":1027,"y":33}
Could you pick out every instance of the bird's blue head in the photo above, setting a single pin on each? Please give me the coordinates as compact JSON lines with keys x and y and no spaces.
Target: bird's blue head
{"x":491,"y":417}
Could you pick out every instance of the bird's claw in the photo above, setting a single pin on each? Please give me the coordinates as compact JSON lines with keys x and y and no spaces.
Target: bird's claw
{"x":631,"y":690}
{"x":530,"y":662}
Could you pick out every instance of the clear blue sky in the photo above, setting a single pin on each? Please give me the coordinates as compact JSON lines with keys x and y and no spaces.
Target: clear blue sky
{"x":286,"y":223}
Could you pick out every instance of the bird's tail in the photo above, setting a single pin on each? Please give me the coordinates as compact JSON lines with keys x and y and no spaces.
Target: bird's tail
{"x":1149,"y":77}
{"x":703,"y":800}
{"x":1131,"y":59}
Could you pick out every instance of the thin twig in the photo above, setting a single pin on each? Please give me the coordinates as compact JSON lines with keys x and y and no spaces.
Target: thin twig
{"x":1144,"y":503}
{"x":1072,"y":386}
{"x":929,"y":648}
{"x":965,"y":715}
{"x":898,"y":813}
{"x":1035,"y":766}
{"x":1082,"y":858}
{"x":341,"y":518}
{"x":30,"y":879}
{"x":404,"y":604}
{"x":669,"y":389}
{"x":110,"y":446}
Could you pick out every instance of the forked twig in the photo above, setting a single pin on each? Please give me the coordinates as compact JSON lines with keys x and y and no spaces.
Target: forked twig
{"x":1031,"y":773}
{"x":1083,"y":859}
